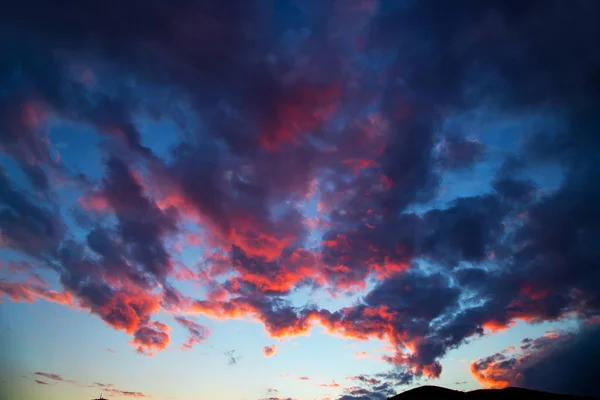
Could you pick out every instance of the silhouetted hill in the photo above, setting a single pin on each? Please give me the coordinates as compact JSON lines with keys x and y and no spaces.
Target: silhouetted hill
{"x":511,"y":393}
{"x":429,"y":392}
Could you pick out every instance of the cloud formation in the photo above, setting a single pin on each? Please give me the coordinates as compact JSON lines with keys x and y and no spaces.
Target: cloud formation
{"x":559,"y":362}
{"x":269,"y":350}
{"x":54,"y":377}
{"x":311,"y":148}
{"x":105,"y":387}
{"x":196,"y":332}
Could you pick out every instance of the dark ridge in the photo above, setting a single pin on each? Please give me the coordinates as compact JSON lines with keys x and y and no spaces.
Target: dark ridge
{"x":430,"y":392}
{"x":510,"y":393}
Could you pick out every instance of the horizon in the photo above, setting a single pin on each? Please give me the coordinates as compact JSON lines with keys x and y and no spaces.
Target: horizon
{"x":298,"y":199}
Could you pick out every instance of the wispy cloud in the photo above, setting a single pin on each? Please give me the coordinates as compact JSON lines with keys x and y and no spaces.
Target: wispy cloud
{"x":104,"y":387}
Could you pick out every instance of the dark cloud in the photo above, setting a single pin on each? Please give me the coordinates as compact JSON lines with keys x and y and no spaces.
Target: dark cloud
{"x":25,"y":226}
{"x":142,"y":224}
{"x":368,"y":391}
{"x":558,"y":363}
{"x":232,"y":358}
{"x":196,"y":332}
{"x":54,"y":377}
{"x":396,"y":377}
{"x":37,"y":177}
{"x":304,"y":103}
{"x":455,"y":152}
{"x":371,"y":388}
{"x":466,"y":231}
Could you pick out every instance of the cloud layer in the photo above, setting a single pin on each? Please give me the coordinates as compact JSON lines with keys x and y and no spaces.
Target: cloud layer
{"x":312,"y":143}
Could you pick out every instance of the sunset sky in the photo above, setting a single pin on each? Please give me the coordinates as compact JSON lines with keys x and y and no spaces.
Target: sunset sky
{"x":298,"y":199}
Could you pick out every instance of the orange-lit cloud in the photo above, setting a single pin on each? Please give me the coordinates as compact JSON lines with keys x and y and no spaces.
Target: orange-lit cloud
{"x":151,"y":337}
{"x":29,"y":292}
{"x":333,"y":384}
{"x":269,"y":350}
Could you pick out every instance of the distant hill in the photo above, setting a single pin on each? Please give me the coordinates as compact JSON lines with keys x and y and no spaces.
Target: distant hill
{"x":511,"y":393}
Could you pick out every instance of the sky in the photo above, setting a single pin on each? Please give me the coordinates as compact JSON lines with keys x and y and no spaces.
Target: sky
{"x":298,"y":199}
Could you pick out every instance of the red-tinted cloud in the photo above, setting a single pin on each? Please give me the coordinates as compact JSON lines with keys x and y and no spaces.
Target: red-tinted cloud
{"x":128,"y":311}
{"x":269,"y":350}
{"x":556,"y":354}
{"x":94,"y":201}
{"x":303,"y":108}
{"x":29,"y":292}
{"x":306,"y":163}
{"x":151,"y":337}
{"x":364,"y":354}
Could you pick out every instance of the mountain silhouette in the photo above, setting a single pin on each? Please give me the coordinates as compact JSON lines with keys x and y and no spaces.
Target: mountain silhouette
{"x":510,"y":393}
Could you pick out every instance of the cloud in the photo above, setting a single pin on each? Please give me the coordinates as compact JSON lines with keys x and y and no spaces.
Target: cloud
{"x":455,"y":152}
{"x":105,"y":387}
{"x":30,"y":291}
{"x":333,"y":384}
{"x":126,"y":393}
{"x":110,"y":388}
{"x":151,"y":337}
{"x":277,"y":398}
{"x":142,"y":224}
{"x":269,"y":350}
{"x":232,"y":358}
{"x":364,"y":378}
{"x":196,"y":332}
{"x":25,"y":226}
{"x":566,"y":357}
{"x":376,"y":387}
{"x":54,"y":377}
{"x":310,"y":151}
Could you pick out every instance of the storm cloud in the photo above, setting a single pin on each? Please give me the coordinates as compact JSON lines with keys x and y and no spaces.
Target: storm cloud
{"x":310,"y":146}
